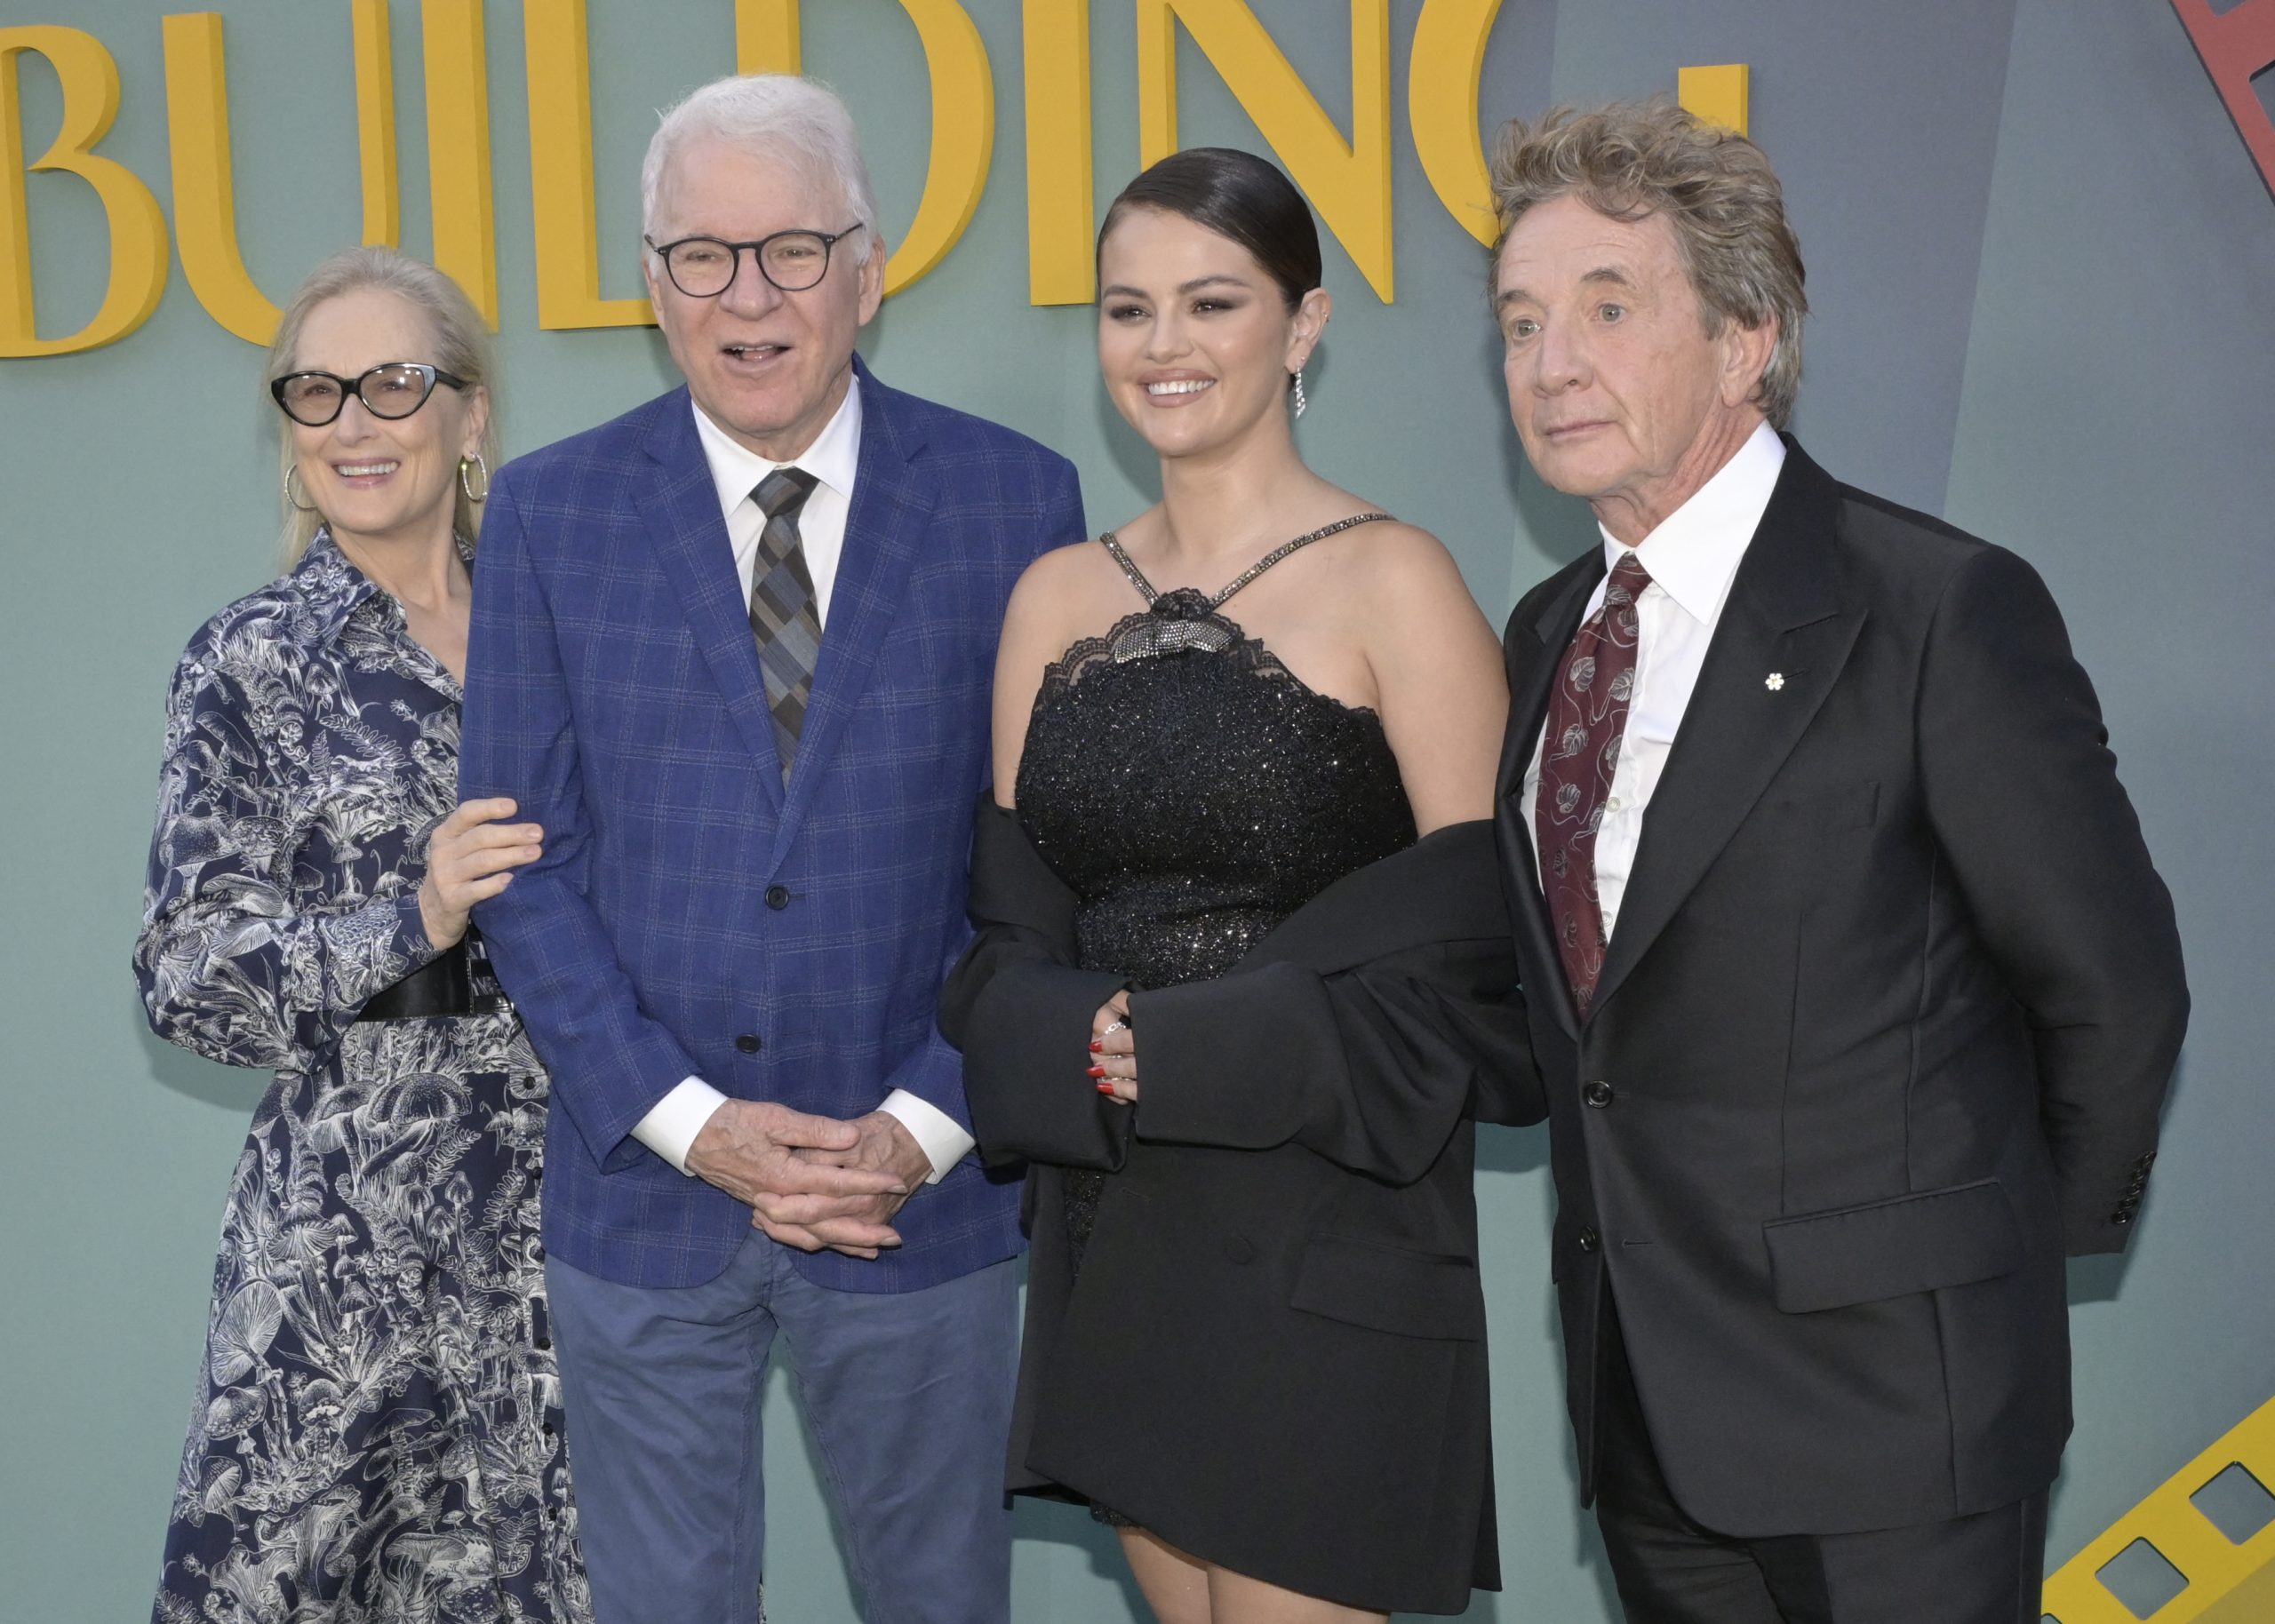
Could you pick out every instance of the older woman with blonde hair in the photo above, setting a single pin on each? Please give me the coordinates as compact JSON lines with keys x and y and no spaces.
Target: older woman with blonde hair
{"x":376,"y":1432}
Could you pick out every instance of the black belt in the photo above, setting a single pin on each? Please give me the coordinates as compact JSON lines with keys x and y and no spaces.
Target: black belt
{"x":456,"y":982}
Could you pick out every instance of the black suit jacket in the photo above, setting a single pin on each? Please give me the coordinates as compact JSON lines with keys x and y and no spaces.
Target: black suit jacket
{"x":1279,"y":1306}
{"x":1882,"y":1031}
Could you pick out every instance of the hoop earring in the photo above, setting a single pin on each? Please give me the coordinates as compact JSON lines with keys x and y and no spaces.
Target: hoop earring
{"x":1300,"y":401}
{"x":466,"y":485}
{"x":292,"y":474}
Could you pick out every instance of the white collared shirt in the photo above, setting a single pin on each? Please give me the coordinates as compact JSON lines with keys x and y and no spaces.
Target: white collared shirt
{"x":1692,"y":557}
{"x":833,"y":459}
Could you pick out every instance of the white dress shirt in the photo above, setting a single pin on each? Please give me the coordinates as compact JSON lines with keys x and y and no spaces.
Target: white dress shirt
{"x":1691,"y":558}
{"x":833,"y":459}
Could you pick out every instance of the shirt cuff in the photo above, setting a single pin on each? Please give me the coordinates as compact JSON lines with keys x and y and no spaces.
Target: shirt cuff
{"x":935,"y":1132}
{"x":670,"y":1127}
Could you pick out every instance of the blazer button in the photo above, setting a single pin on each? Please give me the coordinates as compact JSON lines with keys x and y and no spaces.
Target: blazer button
{"x":778,"y":897}
{"x":1239,"y":1249}
{"x":1589,"y":1240}
{"x":2123,"y":1215}
{"x":749,"y":1043}
{"x":1597,"y":1093}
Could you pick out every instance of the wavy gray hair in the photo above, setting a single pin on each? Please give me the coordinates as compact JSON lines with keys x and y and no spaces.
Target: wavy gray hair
{"x":1715,"y":187}
{"x":461,"y":347}
{"x":774,"y":114}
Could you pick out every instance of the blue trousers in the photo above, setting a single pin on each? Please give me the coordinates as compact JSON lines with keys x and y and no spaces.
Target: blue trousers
{"x":908,"y":1396}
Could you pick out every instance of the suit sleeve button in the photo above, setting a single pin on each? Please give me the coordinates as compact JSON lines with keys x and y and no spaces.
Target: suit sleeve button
{"x":1589,"y":1240}
{"x":2123,"y":1215}
{"x":778,"y":897}
{"x":1597,"y":1093}
{"x":749,"y":1043}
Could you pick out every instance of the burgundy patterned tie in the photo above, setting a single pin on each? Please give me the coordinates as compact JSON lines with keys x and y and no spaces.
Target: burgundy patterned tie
{"x":1587,"y":719}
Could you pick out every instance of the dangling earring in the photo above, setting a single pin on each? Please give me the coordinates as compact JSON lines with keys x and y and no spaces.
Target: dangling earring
{"x":292,"y":473}
{"x":474,"y":463}
{"x":1300,"y":401}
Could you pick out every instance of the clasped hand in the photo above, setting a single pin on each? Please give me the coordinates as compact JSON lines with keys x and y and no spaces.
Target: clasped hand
{"x":470,"y":858}
{"x":812,"y":1181}
{"x":1113,"y":1050}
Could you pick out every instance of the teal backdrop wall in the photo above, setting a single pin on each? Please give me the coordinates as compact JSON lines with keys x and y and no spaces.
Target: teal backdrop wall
{"x":2042,"y":268}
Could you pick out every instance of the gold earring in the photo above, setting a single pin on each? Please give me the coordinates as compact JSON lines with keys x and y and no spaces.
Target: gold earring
{"x":292,"y":474}
{"x":474,"y":463}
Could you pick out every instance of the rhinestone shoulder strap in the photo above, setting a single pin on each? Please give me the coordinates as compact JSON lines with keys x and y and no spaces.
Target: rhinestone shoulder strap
{"x":1145,"y":589}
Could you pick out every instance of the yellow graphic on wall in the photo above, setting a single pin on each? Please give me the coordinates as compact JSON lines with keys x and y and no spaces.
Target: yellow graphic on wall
{"x":2224,"y":1578}
{"x":1449,"y":39}
{"x":1348,"y":182}
{"x":1717,"y":95}
{"x":138,"y":228}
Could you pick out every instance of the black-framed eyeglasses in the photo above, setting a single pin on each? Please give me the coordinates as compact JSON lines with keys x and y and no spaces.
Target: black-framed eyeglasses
{"x":392,"y":389}
{"x":704,"y":267}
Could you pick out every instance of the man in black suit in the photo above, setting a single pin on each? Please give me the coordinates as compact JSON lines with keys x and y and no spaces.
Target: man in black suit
{"x":1852,"y":988}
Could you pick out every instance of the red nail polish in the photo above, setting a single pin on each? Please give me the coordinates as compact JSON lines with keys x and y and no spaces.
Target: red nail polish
{"x":1097,"y":1048}
{"x":1106,"y":1088}
{"x":1098,"y":1072}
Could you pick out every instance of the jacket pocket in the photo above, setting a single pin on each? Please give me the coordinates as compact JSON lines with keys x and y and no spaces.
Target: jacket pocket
{"x":1388,"y":1288}
{"x":1892,"y":1248}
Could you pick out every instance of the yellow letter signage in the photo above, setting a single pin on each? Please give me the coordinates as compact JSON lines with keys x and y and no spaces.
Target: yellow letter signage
{"x":138,"y":230}
{"x":1347,"y":182}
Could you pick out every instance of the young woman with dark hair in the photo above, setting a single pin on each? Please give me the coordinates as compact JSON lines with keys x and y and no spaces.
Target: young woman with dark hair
{"x":1243,"y":976}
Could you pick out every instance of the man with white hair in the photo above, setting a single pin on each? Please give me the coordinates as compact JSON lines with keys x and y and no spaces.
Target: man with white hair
{"x":732,"y":651}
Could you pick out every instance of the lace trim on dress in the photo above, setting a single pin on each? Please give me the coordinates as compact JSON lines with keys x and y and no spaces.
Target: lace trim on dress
{"x":1186,"y":619}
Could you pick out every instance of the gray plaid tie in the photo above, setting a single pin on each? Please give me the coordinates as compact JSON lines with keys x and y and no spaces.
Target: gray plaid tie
{"x":784,"y":616}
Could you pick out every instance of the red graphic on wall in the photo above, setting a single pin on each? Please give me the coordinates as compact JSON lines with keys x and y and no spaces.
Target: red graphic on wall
{"x":2237,"y":44}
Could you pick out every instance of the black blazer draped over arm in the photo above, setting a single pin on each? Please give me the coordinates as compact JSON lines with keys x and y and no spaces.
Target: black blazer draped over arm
{"x":1282,"y":1283}
{"x":1362,"y":1028}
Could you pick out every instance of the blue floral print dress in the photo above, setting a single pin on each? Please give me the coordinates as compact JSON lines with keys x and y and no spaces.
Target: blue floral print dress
{"x":377,"y":1432}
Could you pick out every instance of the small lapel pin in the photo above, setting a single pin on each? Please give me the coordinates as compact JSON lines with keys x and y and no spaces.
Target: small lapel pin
{"x":1775,"y":681}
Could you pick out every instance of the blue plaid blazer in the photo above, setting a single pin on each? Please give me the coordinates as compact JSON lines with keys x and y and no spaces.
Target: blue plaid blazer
{"x":687,"y":902}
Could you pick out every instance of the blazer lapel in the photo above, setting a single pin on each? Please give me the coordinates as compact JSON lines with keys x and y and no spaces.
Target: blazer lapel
{"x":1537,"y":646}
{"x":1785,"y":617}
{"x":681,"y":506}
{"x":892,"y":507}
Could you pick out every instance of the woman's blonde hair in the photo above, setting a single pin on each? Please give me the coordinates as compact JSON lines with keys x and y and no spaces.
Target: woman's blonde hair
{"x":1716,"y":188}
{"x":461,"y":348}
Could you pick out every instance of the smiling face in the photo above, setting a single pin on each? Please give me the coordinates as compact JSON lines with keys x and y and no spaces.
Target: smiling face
{"x":769,"y":367}
{"x":378,"y":480}
{"x":1615,"y":388}
{"x":1195,"y":338}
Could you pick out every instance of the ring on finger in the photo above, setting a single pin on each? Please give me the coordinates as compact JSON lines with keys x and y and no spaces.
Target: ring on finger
{"x":1115,"y":1025}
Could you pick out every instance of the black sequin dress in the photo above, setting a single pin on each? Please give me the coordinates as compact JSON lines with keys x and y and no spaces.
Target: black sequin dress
{"x":1193,"y":792}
